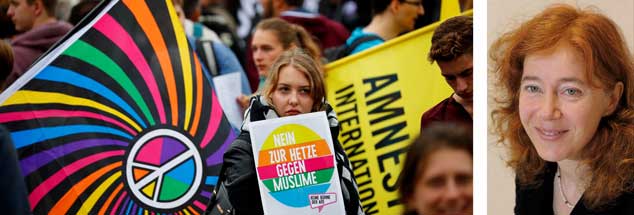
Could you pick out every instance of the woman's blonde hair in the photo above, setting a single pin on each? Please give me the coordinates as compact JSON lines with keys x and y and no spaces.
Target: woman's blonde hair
{"x":597,"y":40}
{"x":301,"y":61}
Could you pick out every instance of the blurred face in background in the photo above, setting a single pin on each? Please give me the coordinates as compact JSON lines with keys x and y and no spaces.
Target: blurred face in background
{"x":292,"y":94}
{"x":560,"y":109}
{"x":459,"y":75}
{"x":445,"y":185}
{"x":266,"y":47}
{"x":23,"y":14}
{"x":180,"y":13}
{"x":407,"y":13}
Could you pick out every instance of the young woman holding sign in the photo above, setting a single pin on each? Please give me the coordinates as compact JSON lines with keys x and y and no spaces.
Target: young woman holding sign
{"x":294,"y":86}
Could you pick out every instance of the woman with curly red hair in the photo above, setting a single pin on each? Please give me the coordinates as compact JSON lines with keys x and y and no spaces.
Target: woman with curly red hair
{"x":567,"y":113}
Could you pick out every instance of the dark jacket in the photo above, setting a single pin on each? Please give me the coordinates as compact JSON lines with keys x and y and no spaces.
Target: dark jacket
{"x":13,"y":199}
{"x":448,"y":110}
{"x":539,"y":199}
{"x":241,"y":179}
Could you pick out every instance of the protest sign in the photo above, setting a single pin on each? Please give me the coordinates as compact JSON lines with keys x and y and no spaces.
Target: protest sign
{"x":294,"y":158}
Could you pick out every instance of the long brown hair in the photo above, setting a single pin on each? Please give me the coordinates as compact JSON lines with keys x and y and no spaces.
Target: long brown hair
{"x":291,"y":34}
{"x":610,"y":153}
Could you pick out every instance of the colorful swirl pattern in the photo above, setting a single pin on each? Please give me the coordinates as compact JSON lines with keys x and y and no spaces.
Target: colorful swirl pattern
{"x":74,"y":124}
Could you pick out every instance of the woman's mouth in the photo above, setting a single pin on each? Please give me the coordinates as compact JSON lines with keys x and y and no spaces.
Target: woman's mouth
{"x":550,"y":134}
{"x":292,"y":112}
{"x":261,"y":68}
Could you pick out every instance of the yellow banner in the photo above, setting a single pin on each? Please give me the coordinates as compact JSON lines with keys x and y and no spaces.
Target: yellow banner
{"x":379,"y":96}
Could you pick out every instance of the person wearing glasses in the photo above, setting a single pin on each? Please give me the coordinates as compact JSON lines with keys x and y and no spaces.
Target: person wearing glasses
{"x":390,"y":18}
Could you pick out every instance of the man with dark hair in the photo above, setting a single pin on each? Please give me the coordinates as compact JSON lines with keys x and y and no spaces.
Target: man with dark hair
{"x":452,"y":49}
{"x":390,"y":18}
{"x":36,"y":19}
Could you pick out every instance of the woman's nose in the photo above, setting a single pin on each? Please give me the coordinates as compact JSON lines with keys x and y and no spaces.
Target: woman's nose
{"x":257,"y":55}
{"x":293,"y":100}
{"x":549,"y":108}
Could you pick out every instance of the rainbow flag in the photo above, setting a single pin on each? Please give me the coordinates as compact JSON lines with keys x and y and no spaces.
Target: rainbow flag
{"x":118,"y":118}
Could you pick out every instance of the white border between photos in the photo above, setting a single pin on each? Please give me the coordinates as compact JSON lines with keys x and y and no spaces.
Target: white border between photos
{"x":480,"y":143}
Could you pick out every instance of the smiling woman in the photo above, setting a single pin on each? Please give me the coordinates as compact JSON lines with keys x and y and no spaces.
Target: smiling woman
{"x":567,"y":113}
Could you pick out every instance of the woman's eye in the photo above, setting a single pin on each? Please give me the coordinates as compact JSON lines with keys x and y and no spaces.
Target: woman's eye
{"x":436,"y":182}
{"x":572,"y":92}
{"x":531,"y":89}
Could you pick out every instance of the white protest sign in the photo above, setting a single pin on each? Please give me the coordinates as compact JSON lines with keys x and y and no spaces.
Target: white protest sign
{"x":226,"y":86}
{"x":296,"y":168}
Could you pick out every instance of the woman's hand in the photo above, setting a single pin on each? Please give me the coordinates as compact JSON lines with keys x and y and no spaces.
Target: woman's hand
{"x":243,"y":101}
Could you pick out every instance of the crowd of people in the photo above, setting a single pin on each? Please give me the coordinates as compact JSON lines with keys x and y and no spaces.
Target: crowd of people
{"x":31,"y":27}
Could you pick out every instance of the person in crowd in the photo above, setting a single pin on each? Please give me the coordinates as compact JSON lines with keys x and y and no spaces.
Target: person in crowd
{"x":218,"y":11}
{"x":6,"y":63}
{"x":452,"y":50}
{"x":224,"y":60}
{"x":193,"y":29}
{"x":14,"y":197}
{"x":7,"y":29}
{"x":566,"y":113}
{"x":326,"y":33}
{"x":81,"y":9}
{"x":40,"y":30}
{"x":329,"y":33}
{"x":347,"y":12}
{"x":272,"y":37}
{"x":294,"y":86}
{"x":215,"y":15}
{"x":390,"y":18}
{"x":437,"y":176}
